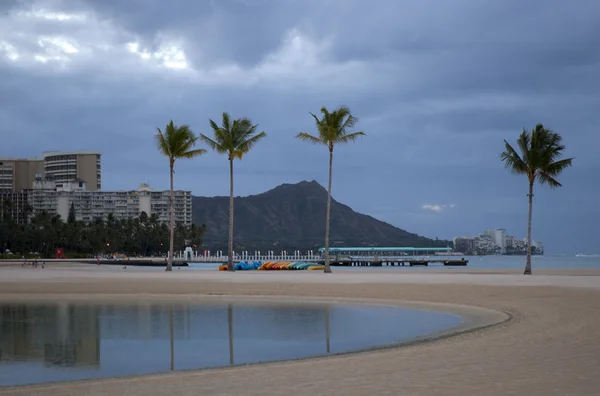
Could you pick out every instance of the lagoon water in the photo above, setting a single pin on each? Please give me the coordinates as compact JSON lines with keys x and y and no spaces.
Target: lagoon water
{"x":62,"y":342}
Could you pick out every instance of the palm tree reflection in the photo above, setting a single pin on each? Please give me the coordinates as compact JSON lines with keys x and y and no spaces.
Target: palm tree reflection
{"x":327,"y":332}
{"x":230,"y":324}
{"x":172,"y":337}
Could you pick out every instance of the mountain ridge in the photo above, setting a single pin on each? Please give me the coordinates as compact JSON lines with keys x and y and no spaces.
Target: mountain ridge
{"x":292,"y":217}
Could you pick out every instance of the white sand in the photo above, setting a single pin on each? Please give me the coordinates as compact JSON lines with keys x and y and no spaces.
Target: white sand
{"x":550,"y":347}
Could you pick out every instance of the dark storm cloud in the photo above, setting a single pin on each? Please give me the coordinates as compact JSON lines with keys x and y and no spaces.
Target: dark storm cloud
{"x":437,"y":85}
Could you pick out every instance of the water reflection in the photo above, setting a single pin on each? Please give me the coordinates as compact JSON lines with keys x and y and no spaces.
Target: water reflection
{"x":171,"y":338}
{"x":230,"y":328}
{"x":231,"y":335}
{"x":60,"y":335}
{"x":58,"y":342}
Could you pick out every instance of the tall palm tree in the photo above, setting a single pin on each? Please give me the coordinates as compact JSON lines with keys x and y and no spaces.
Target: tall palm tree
{"x":333,"y":130}
{"x":174,"y":143}
{"x":541,"y":150}
{"x":234,"y":139}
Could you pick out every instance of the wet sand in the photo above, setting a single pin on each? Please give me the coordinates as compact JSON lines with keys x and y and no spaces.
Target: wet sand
{"x":551,"y":346}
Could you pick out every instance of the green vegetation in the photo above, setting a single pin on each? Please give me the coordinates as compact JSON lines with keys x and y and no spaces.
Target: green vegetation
{"x":134,"y":236}
{"x":332,"y":130}
{"x":539,"y":159}
{"x":174,"y":143}
{"x":233,"y":139}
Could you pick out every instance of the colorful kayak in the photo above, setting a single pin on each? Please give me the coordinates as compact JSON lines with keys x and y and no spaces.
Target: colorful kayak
{"x":274,"y":266}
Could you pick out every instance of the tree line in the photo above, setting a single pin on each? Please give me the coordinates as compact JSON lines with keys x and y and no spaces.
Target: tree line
{"x":44,"y":233}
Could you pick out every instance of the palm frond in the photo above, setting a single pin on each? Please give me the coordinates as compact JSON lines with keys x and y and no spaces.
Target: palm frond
{"x":214,"y":125}
{"x":226,"y":121}
{"x":211,"y":143}
{"x":554,"y":147}
{"x":161,"y":143}
{"x":545,"y":178}
{"x":512,"y":160}
{"x":524,"y":142}
{"x":317,"y":120}
{"x":321,"y":125}
{"x":556,"y":168}
{"x":248,"y":144}
{"x":349,"y":137}
{"x":310,"y":138}
{"x":350,"y":122}
{"x":193,"y":153}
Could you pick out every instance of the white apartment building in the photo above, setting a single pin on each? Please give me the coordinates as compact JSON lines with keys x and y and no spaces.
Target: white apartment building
{"x":56,"y":199}
{"x":498,"y":236}
{"x":484,"y":243}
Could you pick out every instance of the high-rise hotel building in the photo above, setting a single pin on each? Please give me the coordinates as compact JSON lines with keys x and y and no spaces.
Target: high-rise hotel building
{"x":66,"y":166}
{"x":17,"y":174}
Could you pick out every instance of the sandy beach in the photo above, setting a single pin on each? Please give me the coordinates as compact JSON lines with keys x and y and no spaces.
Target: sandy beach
{"x":550,"y":346}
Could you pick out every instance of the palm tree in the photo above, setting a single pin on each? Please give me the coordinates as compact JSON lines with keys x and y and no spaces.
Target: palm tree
{"x":5,"y":209}
{"x":175,"y":142}
{"x":333,"y":130}
{"x":233,"y":139}
{"x":541,"y":150}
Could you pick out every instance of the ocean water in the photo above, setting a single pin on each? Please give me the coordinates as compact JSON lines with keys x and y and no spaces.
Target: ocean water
{"x":61,"y":342}
{"x":483,"y":262}
{"x":508,"y":262}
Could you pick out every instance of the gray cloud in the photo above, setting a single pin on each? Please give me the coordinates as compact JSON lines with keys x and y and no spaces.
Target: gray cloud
{"x":437,"y":85}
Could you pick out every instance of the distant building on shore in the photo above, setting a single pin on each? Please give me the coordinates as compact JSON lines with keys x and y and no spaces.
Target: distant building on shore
{"x":62,"y":180}
{"x":17,"y":174}
{"x":495,"y":241}
{"x":91,"y":205}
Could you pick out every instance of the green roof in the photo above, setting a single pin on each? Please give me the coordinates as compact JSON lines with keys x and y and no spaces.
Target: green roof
{"x":386,"y":249}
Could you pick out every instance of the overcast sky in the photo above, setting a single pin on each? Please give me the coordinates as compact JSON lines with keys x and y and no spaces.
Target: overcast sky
{"x":437,"y":86}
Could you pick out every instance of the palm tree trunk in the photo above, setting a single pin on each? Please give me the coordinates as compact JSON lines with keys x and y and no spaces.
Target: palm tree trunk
{"x":230,"y":245}
{"x":171,"y":224}
{"x":172,"y":338}
{"x":528,"y":262}
{"x":328,"y":215}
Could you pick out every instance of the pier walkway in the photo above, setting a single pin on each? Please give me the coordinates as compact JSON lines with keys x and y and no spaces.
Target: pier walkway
{"x":349,"y":257}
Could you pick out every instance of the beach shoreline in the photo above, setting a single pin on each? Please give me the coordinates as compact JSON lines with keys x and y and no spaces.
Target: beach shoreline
{"x":548,"y":348}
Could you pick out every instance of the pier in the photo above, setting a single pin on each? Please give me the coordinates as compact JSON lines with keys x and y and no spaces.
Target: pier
{"x":362,"y":262}
{"x":347,"y":256}
{"x":392,"y":256}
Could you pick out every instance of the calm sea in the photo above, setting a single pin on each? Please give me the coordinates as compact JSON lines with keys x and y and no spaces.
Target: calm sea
{"x":483,"y":262}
